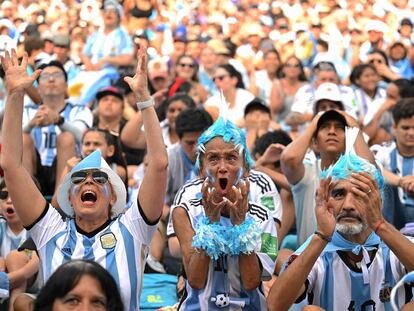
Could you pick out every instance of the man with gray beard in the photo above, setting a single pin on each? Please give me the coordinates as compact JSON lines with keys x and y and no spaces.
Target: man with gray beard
{"x":355,"y":257}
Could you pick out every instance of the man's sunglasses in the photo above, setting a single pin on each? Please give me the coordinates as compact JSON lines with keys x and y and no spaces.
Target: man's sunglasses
{"x":98,"y":176}
{"x":4,"y":195}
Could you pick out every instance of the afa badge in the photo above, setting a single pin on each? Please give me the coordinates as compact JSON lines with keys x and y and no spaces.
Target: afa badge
{"x":108,"y":240}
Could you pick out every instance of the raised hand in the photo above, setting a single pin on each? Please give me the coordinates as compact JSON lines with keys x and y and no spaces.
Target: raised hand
{"x":239,"y":207}
{"x":325,"y":218}
{"x":139,"y":82}
{"x":365,"y":187}
{"x":272,"y":153}
{"x":16,"y":77}
{"x":212,"y":202}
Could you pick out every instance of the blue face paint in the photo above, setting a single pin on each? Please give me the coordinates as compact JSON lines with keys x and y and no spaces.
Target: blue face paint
{"x":106,"y":190}
{"x":210,"y":177}
{"x":239,"y":176}
{"x":74,"y":190}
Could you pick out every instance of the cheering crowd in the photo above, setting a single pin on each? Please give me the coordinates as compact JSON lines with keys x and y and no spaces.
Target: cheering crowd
{"x":205,"y":155}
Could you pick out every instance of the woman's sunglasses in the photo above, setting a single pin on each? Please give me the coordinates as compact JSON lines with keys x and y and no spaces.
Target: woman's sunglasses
{"x":98,"y":176}
{"x":220,"y":78}
{"x":186,"y":65}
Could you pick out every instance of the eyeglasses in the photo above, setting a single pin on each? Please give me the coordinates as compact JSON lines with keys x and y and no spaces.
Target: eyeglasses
{"x":376,"y":60}
{"x":186,"y":65}
{"x":292,"y":65}
{"x":58,"y":75}
{"x":98,"y":176}
{"x":4,"y":195}
{"x":220,"y":78}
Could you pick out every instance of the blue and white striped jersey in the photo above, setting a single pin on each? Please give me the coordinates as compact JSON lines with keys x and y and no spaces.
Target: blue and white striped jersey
{"x":392,"y":160}
{"x":262,"y":191}
{"x":224,"y":273}
{"x":332,"y":285}
{"x":10,"y":241}
{"x":45,"y":137}
{"x":120,"y":246}
{"x":115,"y":43}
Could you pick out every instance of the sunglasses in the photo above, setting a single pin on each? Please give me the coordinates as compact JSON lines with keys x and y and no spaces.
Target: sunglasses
{"x":55,"y":75}
{"x":292,"y":65}
{"x":186,"y":65}
{"x":378,"y":61}
{"x":4,"y":195}
{"x":98,"y":176}
{"x":220,"y":78}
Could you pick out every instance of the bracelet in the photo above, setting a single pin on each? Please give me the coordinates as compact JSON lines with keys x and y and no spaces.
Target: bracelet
{"x":145,"y":104}
{"x":60,"y":121}
{"x":323,"y":237}
{"x":379,"y":225}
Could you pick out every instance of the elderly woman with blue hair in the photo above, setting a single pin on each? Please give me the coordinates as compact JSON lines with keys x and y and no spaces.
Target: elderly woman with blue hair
{"x":229,"y":244}
{"x":355,"y":257}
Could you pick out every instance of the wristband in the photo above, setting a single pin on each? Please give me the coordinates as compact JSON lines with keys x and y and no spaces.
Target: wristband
{"x":323,"y":237}
{"x":60,"y":121}
{"x":145,"y":104}
{"x":379,"y":225}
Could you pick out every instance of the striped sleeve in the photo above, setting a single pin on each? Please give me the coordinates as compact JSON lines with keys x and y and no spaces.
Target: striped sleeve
{"x":267,"y":248}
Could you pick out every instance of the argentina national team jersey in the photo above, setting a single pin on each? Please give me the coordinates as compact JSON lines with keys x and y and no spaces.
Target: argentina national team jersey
{"x":45,"y":137}
{"x":10,"y":241}
{"x":262,"y":191}
{"x":115,"y":43}
{"x":120,"y":247}
{"x":333,"y":286}
{"x":223,"y":277}
{"x":392,"y":160}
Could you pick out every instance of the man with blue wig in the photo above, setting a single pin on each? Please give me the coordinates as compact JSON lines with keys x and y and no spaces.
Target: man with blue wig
{"x":355,"y":257}
{"x":229,"y":245}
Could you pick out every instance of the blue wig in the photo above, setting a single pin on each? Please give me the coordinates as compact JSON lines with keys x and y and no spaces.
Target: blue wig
{"x":350,"y":163}
{"x":230,"y":133}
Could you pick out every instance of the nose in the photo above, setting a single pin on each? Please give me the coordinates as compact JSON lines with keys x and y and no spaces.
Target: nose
{"x":349,"y":202}
{"x":332,"y":129}
{"x":222,"y":166}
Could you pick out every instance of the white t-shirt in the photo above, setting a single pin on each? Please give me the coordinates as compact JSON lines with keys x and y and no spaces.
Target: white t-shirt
{"x":305,"y":98}
{"x":304,"y":198}
{"x":236,"y":113}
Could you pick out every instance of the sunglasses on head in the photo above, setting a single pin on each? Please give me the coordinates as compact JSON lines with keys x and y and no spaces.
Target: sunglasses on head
{"x":98,"y":176}
{"x":220,"y":78}
{"x":4,"y":194}
{"x":186,"y":65}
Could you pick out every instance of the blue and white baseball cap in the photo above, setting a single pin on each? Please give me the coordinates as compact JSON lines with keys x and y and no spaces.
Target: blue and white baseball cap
{"x":93,"y":161}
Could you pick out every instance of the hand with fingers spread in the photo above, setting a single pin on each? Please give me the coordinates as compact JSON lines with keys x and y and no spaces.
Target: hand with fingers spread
{"x":349,"y":120}
{"x":240,"y":204}
{"x":139,"y":82}
{"x":365,"y":187}
{"x":16,"y":77}
{"x":272,"y":154}
{"x":325,"y":218}
{"x":212,"y":202}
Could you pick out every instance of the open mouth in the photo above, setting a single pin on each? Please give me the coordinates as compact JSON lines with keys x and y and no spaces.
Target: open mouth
{"x":9,"y":211}
{"x":223,"y":183}
{"x":88,"y":196}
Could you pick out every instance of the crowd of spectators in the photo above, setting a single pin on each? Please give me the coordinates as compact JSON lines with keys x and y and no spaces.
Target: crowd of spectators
{"x":290,"y":76}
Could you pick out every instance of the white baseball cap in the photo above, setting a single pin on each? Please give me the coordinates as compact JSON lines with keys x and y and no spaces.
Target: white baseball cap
{"x":329,"y":91}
